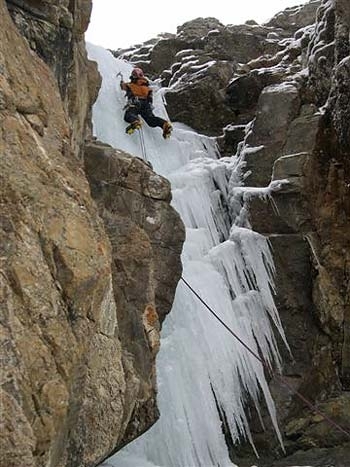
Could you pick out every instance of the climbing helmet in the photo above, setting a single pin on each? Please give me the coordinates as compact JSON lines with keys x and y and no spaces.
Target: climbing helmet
{"x":137,"y":73}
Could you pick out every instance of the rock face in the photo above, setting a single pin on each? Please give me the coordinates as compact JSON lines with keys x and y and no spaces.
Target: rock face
{"x":81,"y":313}
{"x":55,"y":31}
{"x":294,"y":18}
{"x":134,"y":203}
{"x":308,"y":225}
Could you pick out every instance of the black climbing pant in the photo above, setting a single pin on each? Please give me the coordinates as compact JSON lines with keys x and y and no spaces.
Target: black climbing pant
{"x":143,"y":107}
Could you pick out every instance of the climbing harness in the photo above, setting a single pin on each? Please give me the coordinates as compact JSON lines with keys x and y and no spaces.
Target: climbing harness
{"x":280,"y":378}
{"x":133,"y":102}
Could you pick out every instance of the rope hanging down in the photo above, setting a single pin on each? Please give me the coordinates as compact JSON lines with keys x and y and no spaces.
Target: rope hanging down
{"x":265,"y":365}
{"x":142,"y":144}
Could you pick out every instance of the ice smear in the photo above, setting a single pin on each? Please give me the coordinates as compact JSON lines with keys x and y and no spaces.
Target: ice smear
{"x":204,"y":375}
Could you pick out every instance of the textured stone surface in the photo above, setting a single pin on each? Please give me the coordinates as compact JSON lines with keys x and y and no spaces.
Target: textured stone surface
{"x":277,"y":107}
{"x":294,"y":18}
{"x":59,"y":312}
{"x":146,"y":236}
{"x":79,"y":334}
{"x":55,"y":31}
{"x":308,"y":225}
{"x":338,"y":457}
{"x":329,"y":192}
{"x":321,"y":58}
{"x":194,"y":102}
{"x":144,"y":197}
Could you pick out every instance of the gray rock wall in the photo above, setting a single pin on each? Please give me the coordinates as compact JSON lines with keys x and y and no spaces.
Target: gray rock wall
{"x":308,"y":225}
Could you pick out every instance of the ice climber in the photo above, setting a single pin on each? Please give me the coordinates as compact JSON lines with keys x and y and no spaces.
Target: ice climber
{"x":140,"y":98}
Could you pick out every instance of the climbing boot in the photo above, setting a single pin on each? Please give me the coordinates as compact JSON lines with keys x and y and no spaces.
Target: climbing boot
{"x":167,"y":129}
{"x":130,"y":129}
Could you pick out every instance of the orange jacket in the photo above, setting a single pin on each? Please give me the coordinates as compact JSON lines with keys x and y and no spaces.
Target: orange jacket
{"x":138,"y":88}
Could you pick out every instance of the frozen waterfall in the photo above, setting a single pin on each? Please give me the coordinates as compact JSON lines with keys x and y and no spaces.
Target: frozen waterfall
{"x":203,"y":373}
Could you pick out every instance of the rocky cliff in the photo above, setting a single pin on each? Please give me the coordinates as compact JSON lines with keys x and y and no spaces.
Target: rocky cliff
{"x":278,"y":95}
{"x":85,"y":279}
